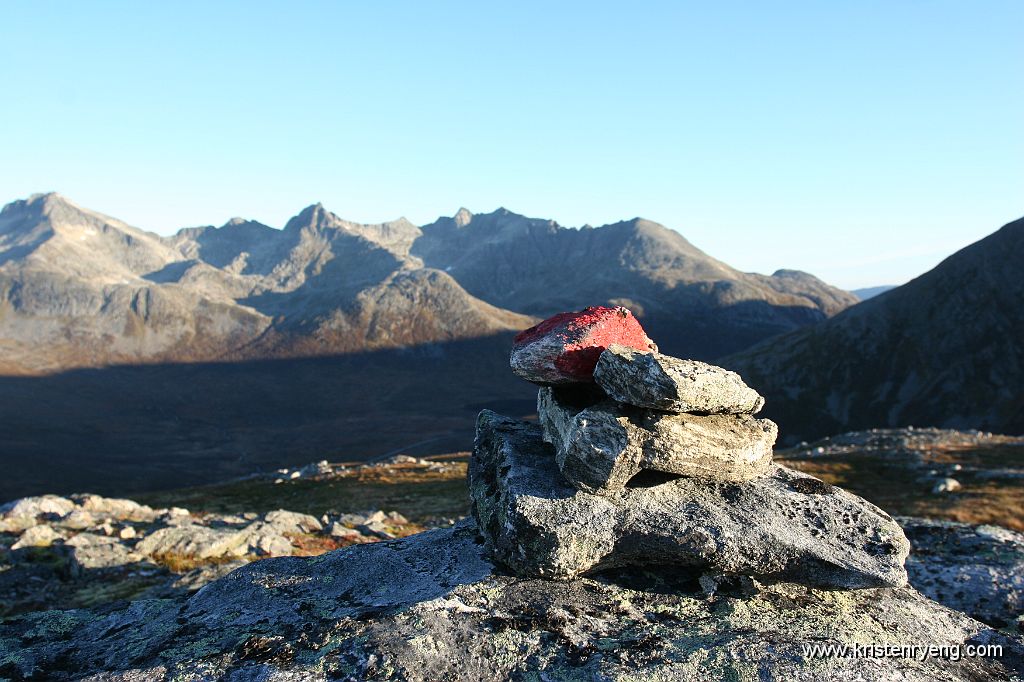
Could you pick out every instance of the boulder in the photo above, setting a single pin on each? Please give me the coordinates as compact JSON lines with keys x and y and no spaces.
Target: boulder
{"x":37,"y":536}
{"x":193,"y":541}
{"x":564,"y":349}
{"x":662,"y":382}
{"x":601,"y":447}
{"x":433,"y":607}
{"x":91,"y":551}
{"x":116,"y":508}
{"x":19,"y":515}
{"x":284,"y":521}
{"x":785,"y":525}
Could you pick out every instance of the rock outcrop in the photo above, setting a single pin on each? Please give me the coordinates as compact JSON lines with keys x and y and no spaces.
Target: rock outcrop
{"x":600,"y":447}
{"x":432,"y":607}
{"x":57,"y":552}
{"x":781,"y":526}
{"x":975,"y":569}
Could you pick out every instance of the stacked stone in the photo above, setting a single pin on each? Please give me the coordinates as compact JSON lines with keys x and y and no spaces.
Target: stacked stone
{"x":640,"y":458}
{"x":653,"y":412}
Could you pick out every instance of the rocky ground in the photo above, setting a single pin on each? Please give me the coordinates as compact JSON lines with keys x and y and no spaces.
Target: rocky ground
{"x":433,"y":607}
{"x":86,"y":550}
{"x":71,"y":563}
{"x":966,"y":476}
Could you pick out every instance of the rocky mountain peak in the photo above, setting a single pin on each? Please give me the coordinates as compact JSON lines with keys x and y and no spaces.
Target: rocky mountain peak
{"x":313,"y":215}
{"x":463,"y":217}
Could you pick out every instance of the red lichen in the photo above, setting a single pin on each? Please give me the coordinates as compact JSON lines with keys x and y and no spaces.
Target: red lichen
{"x":580,"y":338}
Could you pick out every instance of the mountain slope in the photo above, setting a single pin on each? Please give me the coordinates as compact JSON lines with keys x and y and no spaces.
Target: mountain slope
{"x":78,"y":288}
{"x":693,"y":304}
{"x":74,"y":291}
{"x":946,"y":349}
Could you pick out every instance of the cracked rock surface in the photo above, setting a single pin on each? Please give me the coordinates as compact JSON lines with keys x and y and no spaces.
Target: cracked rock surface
{"x":975,"y":569}
{"x":599,"y":448}
{"x":433,"y":607}
{"x":785,"y":525}
{"x":662,"y":382}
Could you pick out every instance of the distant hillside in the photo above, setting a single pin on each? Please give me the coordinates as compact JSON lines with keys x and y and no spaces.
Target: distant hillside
{"x":870,"y":292}
{"x":78,"y":288}
{"x":946,"y":349}
{"x":691,"y":303}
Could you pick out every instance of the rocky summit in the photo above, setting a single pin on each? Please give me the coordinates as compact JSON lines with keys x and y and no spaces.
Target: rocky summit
{"x":662,"y":464}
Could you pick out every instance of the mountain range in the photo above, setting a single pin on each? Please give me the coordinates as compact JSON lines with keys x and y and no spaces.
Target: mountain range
{"x":78,"y":288}
{"x":132,"y":362}
{"x":946,"y":349}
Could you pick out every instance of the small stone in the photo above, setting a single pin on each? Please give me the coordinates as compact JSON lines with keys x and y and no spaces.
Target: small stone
{"x":37,"y":506}
{"x":946,"y":485}
{"x":662,"y":382}
{"x":537,"y":525}
{"x":337,"y":530}
{"x":127,"y":533}
{"x":79,"y":519}
{"x":564,"y":349}
{"x":600,"y":448}
{"x":292,"y":522}
{"x":397,"y":519}
{"x":37,"y":536}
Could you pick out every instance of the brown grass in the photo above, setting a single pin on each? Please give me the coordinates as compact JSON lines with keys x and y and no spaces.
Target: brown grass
{"x":895,"y":486}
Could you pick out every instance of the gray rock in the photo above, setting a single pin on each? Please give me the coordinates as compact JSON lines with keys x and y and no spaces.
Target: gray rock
{"x":975,"y":569}
{"x":21,"y":514}
{"x":785,"y":525}
{"x":432,"y":607}
{"x":117,"y":509}
{"x":37,"y":536}
{"x":663,"y":382}
{"x":194,"y":541}
{"x":601,"y":447}
{"x":91,"y":551}
{"x":946,"y":485}
{"x":285,"y":521}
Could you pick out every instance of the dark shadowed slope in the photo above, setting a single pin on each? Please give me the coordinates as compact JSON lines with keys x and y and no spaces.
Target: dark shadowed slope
{"x":127,"y":429}
{"x":946,"y":349}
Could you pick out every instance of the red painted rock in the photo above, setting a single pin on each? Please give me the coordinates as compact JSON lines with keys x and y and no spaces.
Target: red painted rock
{"x":564,"y":349}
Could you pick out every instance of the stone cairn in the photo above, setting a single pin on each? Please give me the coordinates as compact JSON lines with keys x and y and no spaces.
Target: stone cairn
{"x":644,"y":459}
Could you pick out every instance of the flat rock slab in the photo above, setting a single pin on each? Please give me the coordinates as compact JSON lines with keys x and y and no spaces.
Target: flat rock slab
{"x":600,"y":447}
{"x":564,"y":349}
{"x":662,"y":382}
{"x":432,"y":607}
{"x":975,"y":569}
{"x":785,"y":526}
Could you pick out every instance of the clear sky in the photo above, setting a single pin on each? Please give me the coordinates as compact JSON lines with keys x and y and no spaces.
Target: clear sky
{"x":861,"y":141}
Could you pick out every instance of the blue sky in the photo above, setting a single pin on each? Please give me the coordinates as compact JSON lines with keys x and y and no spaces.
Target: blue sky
{"x":861,"y":141}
